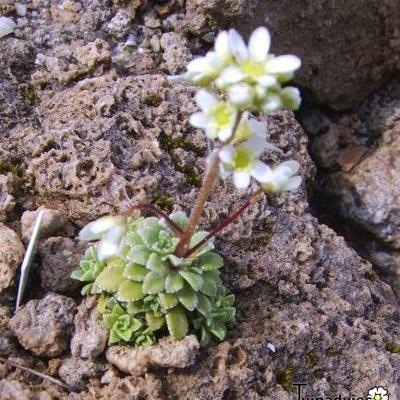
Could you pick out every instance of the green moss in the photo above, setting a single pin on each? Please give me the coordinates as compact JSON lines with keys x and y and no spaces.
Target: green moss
{"x":166,"y":203}
{"x":392,"y":347}
{"x":169,"y":144}
{"x":312,"y":358}
{"x":14,"y":167}
{"x":29,"y":94}
{"x":153,"y":100}
{"x":285,"y":378}
{"x":372,"y":276}
{"x":260,"y":241}
{"x":330,"y":352}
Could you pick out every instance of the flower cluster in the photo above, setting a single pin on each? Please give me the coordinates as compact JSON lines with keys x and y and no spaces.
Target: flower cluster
{"x":252,"y":80}
{"x":145,"y":288}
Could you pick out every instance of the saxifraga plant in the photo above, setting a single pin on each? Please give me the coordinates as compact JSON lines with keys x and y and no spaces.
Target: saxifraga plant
{"x":160,"y":274}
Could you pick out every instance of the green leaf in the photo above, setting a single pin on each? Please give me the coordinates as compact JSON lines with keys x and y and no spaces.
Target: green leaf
{"x":125,"y":326}
{"x":204,"y":305}
{"x":149,"y":234}
{"x":173,"y":283}
{"x":109,"y":320}
{"x":154,"y":322}
{"x":177,"y":322}
{"x":130,"y":291}
{"x":138,"y":255}
{"x":187,"y":296}
{"x":180,"y":218}
{"x":197,"y":238}
{"x":179,"y":262}
{"x":135,"y":272}
{"x":156,"y":264}
{"x":113,"y":338}
{"x":205,"y":337}
{"x":102,"y":304}
{"x":110,"y":279}
{"x":194,"y":280}
{"x":135,"y":307}
{"x":218,"y":330}
{"x":154,"y":282}
{"x":134,"y":239}
{"x":87,"y":289}
{"x":210,"y":282}
{"x":211,"y":261}
{"x":168,"y":300}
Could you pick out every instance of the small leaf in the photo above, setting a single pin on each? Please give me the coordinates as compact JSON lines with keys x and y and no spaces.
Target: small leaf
{"x":109,"y":320}
{"x":180,"y":218}
{"x":211,"y":261}
{"x":168,"y":300}
{"x":210,"y":281}
{"x":154,"y":322}
{"x":194,"y":280}
{"x":205,"y":337}
{"x":218,"y":330}
{"x":179,"y":262}
{"x":197,"y":238}
{"x":138,"y":255}
{"x":135,"y":307}
{"x":204,"y":305}
{"x":134,"y":239}
{"x":173,"y":283}
{"x":154,"y":282}
{"x":135,"y":272}
{"x":130,"y":291}
{"x":113,"y":338}
{"x":156,"y":264}
{"x":102,"y":304}
{"x":87,"y":289}
{"x":187,"y":296}
{"x":110,"y":279}
{"x":149,"y":234}
{"x":177,"y":322}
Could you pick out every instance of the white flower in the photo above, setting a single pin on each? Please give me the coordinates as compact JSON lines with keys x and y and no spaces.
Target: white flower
{"x":242,"y":160}
{"x":378,"y":393}
{"x":281,"y":178}
{"x":109,"y":230}
{"x":217,"y":117}
{"x":256,"y":75}
{"x":202,"y":70}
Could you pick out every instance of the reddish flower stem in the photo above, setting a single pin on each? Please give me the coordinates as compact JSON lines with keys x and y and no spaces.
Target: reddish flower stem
{"x":208,"y":183}
{"x":159,"y":213}
{"x":233,"y":217}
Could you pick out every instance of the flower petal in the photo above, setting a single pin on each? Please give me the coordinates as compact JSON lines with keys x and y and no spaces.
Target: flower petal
{"x":110,"y":245}
{"x":205,"y":100}
{"x":260,"y":170}
{"x":294,"y":183}
{"x":259,"y":44}
{"x":257,"y":144}
{"x":226,"y":154}
{"x":198,"y":120}
{"x":229,"y":76}
{"x":293,"y":166}
{"x":95,"y":229}
{"x":237,"y":46}
{"x":221,"y":46}
{"x":240,"y":94}
{"x":199,"y":64}
{"x":272,"y":104}
{"x":241,"y":179}
{"x":224,"y":134}
{"x":283,"y":64}
{"x":291,"y":98}
{"x":267,"y":81}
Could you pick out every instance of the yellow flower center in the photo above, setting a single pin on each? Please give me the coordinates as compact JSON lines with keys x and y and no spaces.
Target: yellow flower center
{"x":222,"y":115}
{"x":243,"y":159}
{"x":253,"y":69}
{"x":377,"y":397}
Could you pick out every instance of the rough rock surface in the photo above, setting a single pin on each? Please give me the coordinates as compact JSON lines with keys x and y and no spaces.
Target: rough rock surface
{"x":354,"y":43}
{"x":76,"y":372}
{"x":44,"y":326}
{"x":13,"y":390}
{"x":167,"y":353}
{"x":52,"y":223}
{"x":59,"y":257}
{"x":90,"y":337}
{"x":359,"y":155}
{"x":11,"y":254}
{"x":87,"y":131}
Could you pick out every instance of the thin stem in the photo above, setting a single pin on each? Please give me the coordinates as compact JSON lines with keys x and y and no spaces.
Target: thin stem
{"x":156,"y":211}
{"x":208,"y":183}
{"x":33,"y":372}
{"x":233,"y":217}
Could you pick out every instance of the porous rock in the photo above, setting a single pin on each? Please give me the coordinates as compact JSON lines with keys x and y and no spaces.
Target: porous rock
{"x":90,"y":337}
{"x":59,"y":257}
{"x":13,"y":390}
{"x":52,"y":222}
{"x":76,"y":372}
{"x":11,"y":254}
{"x":44,"y":326}
{"x":354,"y":43}
{"x":167,"y":353}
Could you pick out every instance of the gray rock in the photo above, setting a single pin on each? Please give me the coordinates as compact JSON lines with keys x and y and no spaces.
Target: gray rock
{"x":60,"y":256}
{"x":11,"y":254}
{"x":348,"y":48}
{"x":44,"y":326}
{"x":90,"y":337}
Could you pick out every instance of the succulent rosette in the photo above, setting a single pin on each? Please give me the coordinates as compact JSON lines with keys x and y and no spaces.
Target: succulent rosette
{"x":145,"y":289}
